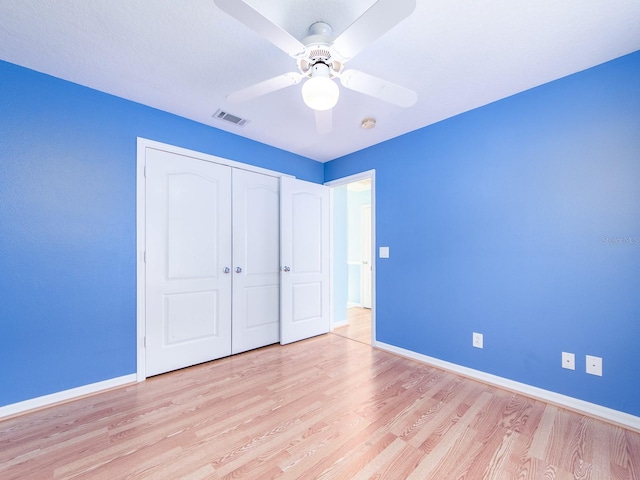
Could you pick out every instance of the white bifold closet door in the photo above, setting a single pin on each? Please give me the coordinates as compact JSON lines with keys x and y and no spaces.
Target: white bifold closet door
{"x":188,"y":249}
{"x":232,"y":264}
{"x":256,"y":261}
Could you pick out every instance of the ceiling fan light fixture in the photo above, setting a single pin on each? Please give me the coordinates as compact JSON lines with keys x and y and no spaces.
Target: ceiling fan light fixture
{"x":320,"y":92}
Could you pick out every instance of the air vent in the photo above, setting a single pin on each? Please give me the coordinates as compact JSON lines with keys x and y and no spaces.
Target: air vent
{"x":227,"y":117}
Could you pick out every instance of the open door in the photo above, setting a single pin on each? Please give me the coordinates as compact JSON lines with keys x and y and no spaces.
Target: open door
{"x":304,"y":259}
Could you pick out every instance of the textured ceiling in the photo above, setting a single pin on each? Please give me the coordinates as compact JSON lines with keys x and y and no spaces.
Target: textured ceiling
{"x":184,"y":57}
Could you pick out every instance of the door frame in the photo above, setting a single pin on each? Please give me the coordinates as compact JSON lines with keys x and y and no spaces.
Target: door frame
{"x":363,"y":267}
{"x":368,"y":174}
{"x":141,"y":204}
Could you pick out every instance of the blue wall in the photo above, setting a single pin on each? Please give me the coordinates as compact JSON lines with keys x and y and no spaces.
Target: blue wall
{"x":519,"y":220}
{"x":68,"y":226}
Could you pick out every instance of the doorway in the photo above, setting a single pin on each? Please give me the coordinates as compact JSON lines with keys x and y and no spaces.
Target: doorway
{"x":353,"y":268}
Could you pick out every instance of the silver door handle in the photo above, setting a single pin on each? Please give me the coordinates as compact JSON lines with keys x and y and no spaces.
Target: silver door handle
{"x":238,"y":270}
{"x":286,"y":269}
{"x":226,"y":269}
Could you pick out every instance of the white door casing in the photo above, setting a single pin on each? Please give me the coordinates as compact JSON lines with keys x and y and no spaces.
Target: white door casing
{"x":304,"y":244}
{"x":188,"y":248}
{"x":365,"y":275}
{"x":256,"y":261}
{"x":370,"y":174}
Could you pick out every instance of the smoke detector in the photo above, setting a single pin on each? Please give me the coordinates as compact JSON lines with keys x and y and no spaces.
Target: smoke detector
{"x":368,"y":123}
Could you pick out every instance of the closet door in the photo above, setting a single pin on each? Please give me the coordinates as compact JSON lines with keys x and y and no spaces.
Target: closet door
{"x":305,"y":260}
{"x":256,"y":261}
{"x":188,"y":251}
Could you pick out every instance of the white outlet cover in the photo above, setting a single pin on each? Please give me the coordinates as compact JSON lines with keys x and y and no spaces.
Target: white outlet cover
{"x":594,"y":365}
{"x":478,"y":340}
{"x":384,"y":252}
{"x":569,"y":360}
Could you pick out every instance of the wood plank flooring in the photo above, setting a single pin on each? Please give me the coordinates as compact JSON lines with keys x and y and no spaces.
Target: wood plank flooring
{"x":324,"y":408}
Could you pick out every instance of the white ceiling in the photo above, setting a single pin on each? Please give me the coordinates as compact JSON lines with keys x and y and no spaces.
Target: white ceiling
{"x":184,"y":57}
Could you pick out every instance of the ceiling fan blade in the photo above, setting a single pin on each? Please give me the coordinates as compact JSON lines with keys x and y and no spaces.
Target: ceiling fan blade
{"x":253,"y":19}
{"x":375,"y":22}
{"x":378,"y":88}
{"x":324,"y":121}
{"x":267,"y":86}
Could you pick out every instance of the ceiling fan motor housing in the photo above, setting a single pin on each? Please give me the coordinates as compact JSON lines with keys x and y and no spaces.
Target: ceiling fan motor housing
{"x":318,"y":50}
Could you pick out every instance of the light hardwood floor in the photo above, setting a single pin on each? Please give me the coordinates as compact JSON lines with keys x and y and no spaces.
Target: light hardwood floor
{"x":324,"y":408}
{"x":358,"y":327}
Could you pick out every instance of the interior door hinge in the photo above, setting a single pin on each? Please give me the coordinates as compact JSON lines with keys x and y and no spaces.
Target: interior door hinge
{"x":145,"y":256}
{"x":145,"y":171}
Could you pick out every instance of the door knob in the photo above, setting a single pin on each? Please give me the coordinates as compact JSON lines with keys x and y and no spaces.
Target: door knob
{"x":226,"y":269}
{"x":286,"y":269}
{"x":238,"y":270}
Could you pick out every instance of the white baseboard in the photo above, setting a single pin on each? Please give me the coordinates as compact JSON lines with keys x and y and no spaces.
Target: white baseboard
{"x":339,"y":324}
{"x":65,"y":395}
{"x":598,"y":411}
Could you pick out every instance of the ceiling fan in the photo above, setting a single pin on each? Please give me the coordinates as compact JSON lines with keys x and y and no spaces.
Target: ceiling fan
{"x":321,"y":57}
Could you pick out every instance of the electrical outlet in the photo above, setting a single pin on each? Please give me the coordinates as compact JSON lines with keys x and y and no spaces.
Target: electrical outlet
{"x":594,"y":365}
{"x":478,"y":340}
{"x":569,"y":361}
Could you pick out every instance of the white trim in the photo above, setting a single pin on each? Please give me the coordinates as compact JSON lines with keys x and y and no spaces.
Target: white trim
{"x":343,"y":181}
{"x":331,"y":250}
{"x":142,"y":145}
{"x":65,"y":395}
{"x":598,"y":411}
{"x":368,"y":265}
{"x":353,"y":178}
{"x":141,"y":241}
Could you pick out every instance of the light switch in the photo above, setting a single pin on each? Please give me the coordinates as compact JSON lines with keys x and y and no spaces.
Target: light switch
{"x":384,"y":252}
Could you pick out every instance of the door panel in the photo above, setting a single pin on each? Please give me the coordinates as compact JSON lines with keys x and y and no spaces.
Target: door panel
{"x":186,"y":316}
{"x":188,"y":297}
{"x":190,"y":230}
{"x":306,"y":215}
{"x":304,"y":218}
{"x":256,"y":252}
{"x":306,"y":301}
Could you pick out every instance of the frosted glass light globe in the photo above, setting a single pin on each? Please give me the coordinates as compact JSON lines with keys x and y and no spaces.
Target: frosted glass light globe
{"x":320,"y":92}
